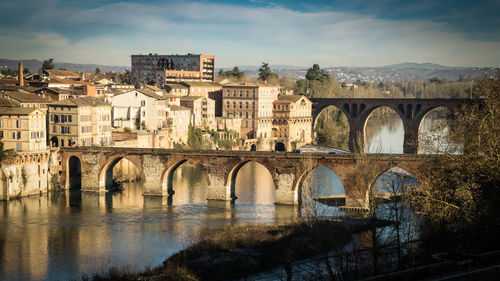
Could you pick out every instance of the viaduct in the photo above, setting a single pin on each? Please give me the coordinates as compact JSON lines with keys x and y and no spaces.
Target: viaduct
{"x":411,"y":112}
{"x":220,"y":168}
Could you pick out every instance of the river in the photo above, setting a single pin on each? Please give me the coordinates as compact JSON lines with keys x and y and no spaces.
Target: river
{"x":60,"y":235}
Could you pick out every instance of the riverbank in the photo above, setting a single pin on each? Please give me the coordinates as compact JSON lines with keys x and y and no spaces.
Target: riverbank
{"x":236,"y":252}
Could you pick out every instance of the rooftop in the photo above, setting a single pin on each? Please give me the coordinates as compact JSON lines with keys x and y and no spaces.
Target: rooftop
{"x":24,"y":97}
{"x":292,"y":98}
{"x":201,"y":84}
{"x":5,"y":110}
{"x":174,"y":107}
{"x":8,"y":102}
{"x":80,"y":101}
{"x":60,"y":72}
{"x":249,"y":85}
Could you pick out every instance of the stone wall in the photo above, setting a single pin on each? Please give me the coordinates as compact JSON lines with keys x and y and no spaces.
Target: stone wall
{"x":24,"y":174}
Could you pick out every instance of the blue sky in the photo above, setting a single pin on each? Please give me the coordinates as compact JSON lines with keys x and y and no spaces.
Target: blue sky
{"x":330,"y":33}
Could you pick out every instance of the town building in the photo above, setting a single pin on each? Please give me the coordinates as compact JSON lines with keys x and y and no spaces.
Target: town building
{"x":202,"y":110}
{"x":23,"y":128}
{"x":253,"y":103}
{"x":292,"y":121}
{"x":162,"y":69}
{"x":83,"y":121}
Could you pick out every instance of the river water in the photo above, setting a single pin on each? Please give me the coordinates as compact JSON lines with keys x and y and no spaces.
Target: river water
{"x":60,"y":235}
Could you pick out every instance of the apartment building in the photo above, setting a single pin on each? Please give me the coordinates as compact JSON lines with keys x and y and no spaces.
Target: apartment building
{"x":83,"y":121}
{"x":253,"y":103}
{"x":292,"y":119}
{"x":202,"y":110}
{"x":162,"y":69}
{"x":23,"y":128}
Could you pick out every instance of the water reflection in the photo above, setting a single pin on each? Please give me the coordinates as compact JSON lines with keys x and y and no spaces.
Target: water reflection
{"x":384,"y":132}
{"x":64,"y":234}
{"x":321,"y":192}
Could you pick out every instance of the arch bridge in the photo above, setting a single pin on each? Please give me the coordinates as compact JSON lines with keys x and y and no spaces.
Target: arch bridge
{"x":411,"y":112}
{"x":220,"y":168}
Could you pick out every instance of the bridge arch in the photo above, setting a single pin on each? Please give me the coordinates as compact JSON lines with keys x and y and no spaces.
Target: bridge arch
{"x":167,"y":179}
{"x":332,"y":126}
{"x":376,"y":146}
{"x":233,"y":173}
{"x":73,"y":176}
{"x":320,"y":189}
{"x":106,"y":173}
{"x":434,"y":121}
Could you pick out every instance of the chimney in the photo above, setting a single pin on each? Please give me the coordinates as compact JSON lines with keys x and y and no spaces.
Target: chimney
{"x":21,"y":75}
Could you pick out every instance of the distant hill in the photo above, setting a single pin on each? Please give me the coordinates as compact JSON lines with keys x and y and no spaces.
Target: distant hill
{"x":34,"y":65}
{"x":418,"y":65}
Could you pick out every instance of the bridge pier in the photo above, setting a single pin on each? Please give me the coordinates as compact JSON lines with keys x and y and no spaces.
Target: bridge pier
{"x":152,"y":169}
{"x":284,"y":193}
{"x":217,"y":188}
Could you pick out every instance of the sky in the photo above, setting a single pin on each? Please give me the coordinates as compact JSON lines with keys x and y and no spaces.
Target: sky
{"x":300,"y":33}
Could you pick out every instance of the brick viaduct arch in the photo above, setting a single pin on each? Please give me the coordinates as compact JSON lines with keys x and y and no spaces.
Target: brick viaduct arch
{"x":220,"y":169}
{"x":411,"y":112}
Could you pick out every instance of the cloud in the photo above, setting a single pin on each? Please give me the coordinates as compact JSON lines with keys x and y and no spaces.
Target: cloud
{"x":236,"y":34}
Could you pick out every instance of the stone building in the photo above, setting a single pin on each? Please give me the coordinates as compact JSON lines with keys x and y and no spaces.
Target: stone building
{"x":84,"y":121}
{"x":23,"y":128}
{"x":292,"y":121}
{"x":253,"y":103}
{"x":202,"y":110}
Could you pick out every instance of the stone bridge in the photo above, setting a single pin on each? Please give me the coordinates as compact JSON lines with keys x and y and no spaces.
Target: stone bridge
{"x":220,"y":168}
{"x":411,"y":112}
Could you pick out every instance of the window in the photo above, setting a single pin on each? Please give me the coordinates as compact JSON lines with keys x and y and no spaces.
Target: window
{"x":54,"y":129}
{"x":228,"y":103}
{"x":241,"y":104}
{"x":19,"y":147}
{"x":246,"y":105}
{"x":247,"y":115}
{"x":1,"y":134}
{"x":18,"y":135}
{"x":70,"y":118}
{"x":241,"y":114}
{"x":241,"y":93}
{"x":18,"y":123}
{"x":1,"y":123}
{"x":143,"y":103}
{"x":13,"y":135}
